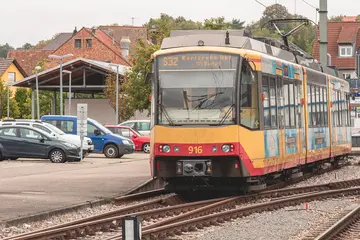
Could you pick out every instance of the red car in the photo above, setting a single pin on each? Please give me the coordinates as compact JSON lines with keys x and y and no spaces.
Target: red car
{"x":142,"y":143}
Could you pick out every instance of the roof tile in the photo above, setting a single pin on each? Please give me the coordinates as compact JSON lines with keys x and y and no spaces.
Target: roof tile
{"x":28,"y":59}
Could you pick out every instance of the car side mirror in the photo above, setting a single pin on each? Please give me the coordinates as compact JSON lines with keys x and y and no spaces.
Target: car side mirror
{"x":97,"y":132}
{"x":135,"y":136}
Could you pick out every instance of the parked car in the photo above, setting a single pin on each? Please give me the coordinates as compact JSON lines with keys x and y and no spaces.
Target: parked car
{"x":87,"y":145}
{"x":28,"y":142}
{"x":141,"y":126}
{"x":112,"y":145}
{"x":142,"y":143}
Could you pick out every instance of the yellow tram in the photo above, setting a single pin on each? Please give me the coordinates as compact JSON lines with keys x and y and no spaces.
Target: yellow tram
{"x":232,"y":111}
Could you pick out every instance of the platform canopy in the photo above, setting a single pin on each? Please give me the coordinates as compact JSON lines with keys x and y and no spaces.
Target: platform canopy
{"x":88,"y":76}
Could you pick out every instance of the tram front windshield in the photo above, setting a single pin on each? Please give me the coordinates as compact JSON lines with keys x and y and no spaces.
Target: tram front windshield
{"x":197,"y":88}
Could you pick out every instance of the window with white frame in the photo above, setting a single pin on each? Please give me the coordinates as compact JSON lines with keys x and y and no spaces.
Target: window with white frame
{"x":346,"y":51}
{"x":11,"y":77}
{"x":347,"y":75}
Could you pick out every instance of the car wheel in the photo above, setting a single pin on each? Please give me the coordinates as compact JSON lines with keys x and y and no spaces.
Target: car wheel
{"x":57,"y":156}
{"x":1,"y":157}
{"x":146,"y":148}
{"x":111,"y":151}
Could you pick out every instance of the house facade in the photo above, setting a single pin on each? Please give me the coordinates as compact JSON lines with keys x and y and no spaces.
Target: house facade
{"x":343,"y":46}
{"x":10,"y":70}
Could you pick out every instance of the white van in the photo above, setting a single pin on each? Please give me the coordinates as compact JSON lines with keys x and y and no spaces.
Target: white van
{"x":87,"y":146}
{"x":141,"y":126}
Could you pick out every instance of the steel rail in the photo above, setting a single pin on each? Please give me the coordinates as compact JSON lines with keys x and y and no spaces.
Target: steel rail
{"x":175,"y":227}
{"x":342,"y":225}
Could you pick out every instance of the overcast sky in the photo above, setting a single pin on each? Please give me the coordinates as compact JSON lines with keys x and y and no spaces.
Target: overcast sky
{"x":34,"y":20}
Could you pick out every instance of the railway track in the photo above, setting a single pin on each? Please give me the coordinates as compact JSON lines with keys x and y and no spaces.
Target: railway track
{"x":158,"y":213}
{"x":345,"y":228}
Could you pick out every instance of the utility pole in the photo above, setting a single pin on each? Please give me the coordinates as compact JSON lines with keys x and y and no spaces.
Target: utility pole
{"x":323,"y":32}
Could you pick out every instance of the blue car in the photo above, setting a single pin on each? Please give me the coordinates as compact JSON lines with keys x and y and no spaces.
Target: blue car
{"x":113,"y":146}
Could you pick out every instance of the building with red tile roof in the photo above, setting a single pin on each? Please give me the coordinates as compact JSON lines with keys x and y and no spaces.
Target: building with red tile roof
{"x":101,"y":44}
{"x":343,"y":44}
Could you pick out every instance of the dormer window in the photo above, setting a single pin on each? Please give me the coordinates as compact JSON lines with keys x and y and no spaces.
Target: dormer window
{"x":345,"y":50}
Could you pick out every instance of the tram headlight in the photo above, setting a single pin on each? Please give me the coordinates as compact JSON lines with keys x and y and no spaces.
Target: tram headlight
{"x":166,"y":148}
{"x":176,"y":149}
{"x":225,"y":148}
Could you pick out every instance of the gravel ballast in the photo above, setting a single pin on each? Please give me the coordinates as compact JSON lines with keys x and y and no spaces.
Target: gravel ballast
{"x":287,"y":223}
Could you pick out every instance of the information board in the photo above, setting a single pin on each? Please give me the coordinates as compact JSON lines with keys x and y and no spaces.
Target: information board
{"x":82,"y":119}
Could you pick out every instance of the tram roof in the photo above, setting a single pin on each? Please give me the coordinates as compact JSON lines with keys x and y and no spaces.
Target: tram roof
{"x":243,"y":39}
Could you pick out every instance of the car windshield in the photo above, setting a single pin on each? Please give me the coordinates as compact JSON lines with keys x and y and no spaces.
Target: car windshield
{"x":55,"y":129}
{"x":100,"y":126}
{"x":197,"y":88}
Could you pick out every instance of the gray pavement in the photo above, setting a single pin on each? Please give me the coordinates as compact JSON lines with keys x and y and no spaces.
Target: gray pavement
{"x":32,"y":186}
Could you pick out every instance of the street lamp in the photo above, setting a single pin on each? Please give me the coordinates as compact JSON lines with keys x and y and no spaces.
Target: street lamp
{"x":61,"y":89}
{"x":11,"y":80}
{"x":37,"y":69}
{"x":69,"y":103}
{"x":117,"y":91}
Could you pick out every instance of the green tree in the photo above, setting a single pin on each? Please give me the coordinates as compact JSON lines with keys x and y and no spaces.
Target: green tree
{"x":133,"y":90}
{"x":4,"y":49}
{"x":237,"y":24}
{"x":218,"y":23}
{"x":278,"y":11}
{"x":26,"y":46}
{"x":336,"y":18}
{"x":160,"y":28}
{"x":22,"y":98}
{"x":14,"y":111}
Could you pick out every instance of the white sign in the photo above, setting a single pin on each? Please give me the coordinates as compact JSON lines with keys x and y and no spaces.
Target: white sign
{"x":82,"y":119}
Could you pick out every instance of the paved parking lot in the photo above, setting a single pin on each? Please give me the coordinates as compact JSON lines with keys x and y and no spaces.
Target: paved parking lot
{"x":32,"y":186}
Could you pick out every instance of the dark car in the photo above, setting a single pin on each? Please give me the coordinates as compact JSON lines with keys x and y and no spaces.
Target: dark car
{"x":27,"y":142}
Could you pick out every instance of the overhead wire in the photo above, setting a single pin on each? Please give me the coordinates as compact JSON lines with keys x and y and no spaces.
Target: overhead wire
{"x":261,"y":3}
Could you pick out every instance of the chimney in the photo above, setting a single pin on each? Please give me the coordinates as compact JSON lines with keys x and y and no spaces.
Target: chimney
{"x":93,"y":30}
{"x":125,"y":46}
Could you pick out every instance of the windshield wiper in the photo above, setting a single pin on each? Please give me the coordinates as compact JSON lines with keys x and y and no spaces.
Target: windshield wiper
{"x":206,"y":99}
{"x":226,"y":114}
{"x":171,"y":123}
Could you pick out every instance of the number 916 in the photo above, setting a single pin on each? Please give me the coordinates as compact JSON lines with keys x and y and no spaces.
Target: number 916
{"x":195,"y":149}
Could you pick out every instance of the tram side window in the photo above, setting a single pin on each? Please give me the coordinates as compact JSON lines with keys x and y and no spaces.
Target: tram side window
{"x":326,"y":122}
{"x":321,"y":106}
{"x":292,"y":104}
{"x":249,"y":98}
{"x":317,"y":106}
{"x":335,"y":106}
{"x":348,"y":119}
{"x":273,"y":110}
{"x":266,"y":102}
{"x":286,"y":103}
{"x":313,"y":105}
{"x":309,"y":105}
{"x":300,"y":108}
{"x":344,"y":111}
{"x":339,"y":108}
{"x":280,"y":102}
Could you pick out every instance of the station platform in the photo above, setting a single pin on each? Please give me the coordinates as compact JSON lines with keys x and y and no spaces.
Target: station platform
{"x":29,"y":187}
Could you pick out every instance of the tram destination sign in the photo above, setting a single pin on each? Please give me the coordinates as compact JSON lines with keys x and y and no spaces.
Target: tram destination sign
{"x":198,"y":61}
